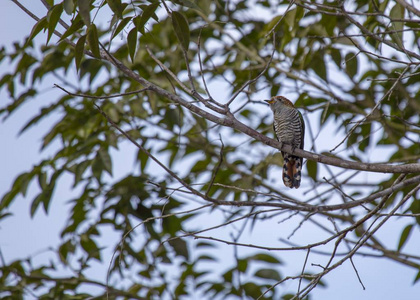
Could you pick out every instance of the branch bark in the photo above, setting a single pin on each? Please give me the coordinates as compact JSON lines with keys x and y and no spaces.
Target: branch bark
{"x":231,"y":121}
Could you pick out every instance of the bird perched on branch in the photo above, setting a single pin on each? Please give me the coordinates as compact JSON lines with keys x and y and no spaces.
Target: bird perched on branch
{"x":290,"y":129}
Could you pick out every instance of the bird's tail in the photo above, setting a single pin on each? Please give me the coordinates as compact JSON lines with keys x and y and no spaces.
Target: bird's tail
{"x":292,"y":167}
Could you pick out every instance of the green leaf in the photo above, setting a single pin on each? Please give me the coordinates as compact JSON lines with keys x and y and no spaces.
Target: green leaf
{"x":53,"y":16}
{"x":182,"y":29}
{"x":5,"y":215}
{"x":268,"y":274}
{"x":351,"y":64}
{"x":397,"y":12}
{"x":202,"y":258}
{"x":121,"y":26}
{"x":93,"y":41}
{"x":106,"y":160}
{"x":116,"y":7}
{"x":383,"y":5}
{"x":80,"y":170}
{"x":251,"y":289}
{"x":89,"y":246}
{"x":42,"y":180}
{"x":84,"y":10}
{"x":270,"y":25}
{"x":312,"y":167}
{"x":46,"y":199}
{"x":143,"y":158}
{"x":148,"y":12}
{"x":36,"y":202}
{"x":242,"y":265}
{"x":65,"y":249}
{"x":417,"y":278}
{"x":317,"y":64}
{"x":336,"y":56}
{"x":41,"y":24}
{"x":227,"y":276}
{"x":200,"y":166}
{"x":189,"y":4}
{"x":76,"y":24}
{"x":79,"y":51}
{"x":404,"y":236}
{"x":180,"y":247}
{"x":8,"y":198}
{"x":68,"y":6}
{"x":22,"y":182}
{"x":97,"y":168}
{"x":265,"y":258}
{"x":205,"y":244}
{"x":132,"y":43}
{"x":20,"y":185}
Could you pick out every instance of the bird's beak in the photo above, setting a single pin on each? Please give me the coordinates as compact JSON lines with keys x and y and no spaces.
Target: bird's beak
{"x":271,"y":101}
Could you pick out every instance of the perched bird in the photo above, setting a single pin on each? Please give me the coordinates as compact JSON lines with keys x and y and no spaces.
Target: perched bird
{"x":290,"y":129}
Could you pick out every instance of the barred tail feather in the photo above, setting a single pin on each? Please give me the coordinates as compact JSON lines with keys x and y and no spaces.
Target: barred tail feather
{"x":292,"y":167}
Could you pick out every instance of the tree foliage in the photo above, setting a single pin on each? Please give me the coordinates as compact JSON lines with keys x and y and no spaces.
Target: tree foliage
{"x":181,"y":81}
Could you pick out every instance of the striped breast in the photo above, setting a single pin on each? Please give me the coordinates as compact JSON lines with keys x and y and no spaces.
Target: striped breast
{"x":288,"y":126}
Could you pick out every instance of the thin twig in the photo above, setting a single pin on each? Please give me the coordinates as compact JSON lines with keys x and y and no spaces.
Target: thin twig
{"x":201,"y":64}
{"x":121,"y":242}
{"x":101,"y":97}
{"x":216,"y":170}
{"x":388,"y":93}
{"x":247,"y":83}
{"x":303,"y":268}
{"x":281,"y":18}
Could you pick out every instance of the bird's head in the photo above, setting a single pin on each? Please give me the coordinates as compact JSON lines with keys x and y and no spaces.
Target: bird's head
{"x":278,"y":101}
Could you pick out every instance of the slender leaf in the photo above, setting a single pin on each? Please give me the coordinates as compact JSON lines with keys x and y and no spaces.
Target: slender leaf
{"x":180,"y":247}
{"x":351,"y":64}
{"x":80,"y":170}
{"x":42,"y":180}
{"x":79,"y":51}
{"x":404,"y":236}
{"x":46,"y":199}
{"x":182,"y":29}
{"x":116,"y":7}
{"x":189,"y":4}
{"x":417,"y":277}
{"x":242,"y":265}
{"x":53,"y":17}
{"x":148,"y":12}
{"x":132,"y":43}
{"x":143,"y":158}
{"x":76,"y":24}
{"x":397,"y":12}
{"x":265,"y":258}
{"x":68,"y":6}
{"x":41,"y":24}
{"x":312,"y":167}
{"x":120,"y":26}
{"x":84,"y":10}
{"x":106,"y":160}
{"x":36,"y":202}
{"x":97,"y":168}
{"x":93,"y":41}
{"x":268,"y":274}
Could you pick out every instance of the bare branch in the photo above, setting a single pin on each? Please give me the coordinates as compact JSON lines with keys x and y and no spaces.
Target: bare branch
{"x":100,"y":97}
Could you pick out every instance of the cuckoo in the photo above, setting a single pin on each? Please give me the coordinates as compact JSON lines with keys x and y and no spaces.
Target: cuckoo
{"x":290,"y":129}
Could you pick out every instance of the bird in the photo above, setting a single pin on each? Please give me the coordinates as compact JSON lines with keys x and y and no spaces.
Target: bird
{"x":289,"y":128}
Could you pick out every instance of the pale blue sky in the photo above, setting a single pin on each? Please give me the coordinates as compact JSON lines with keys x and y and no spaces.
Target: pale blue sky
{"x":21,"y":236}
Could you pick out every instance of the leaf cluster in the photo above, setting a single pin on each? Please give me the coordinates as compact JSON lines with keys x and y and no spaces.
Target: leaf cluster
{"x":213,"y":49}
